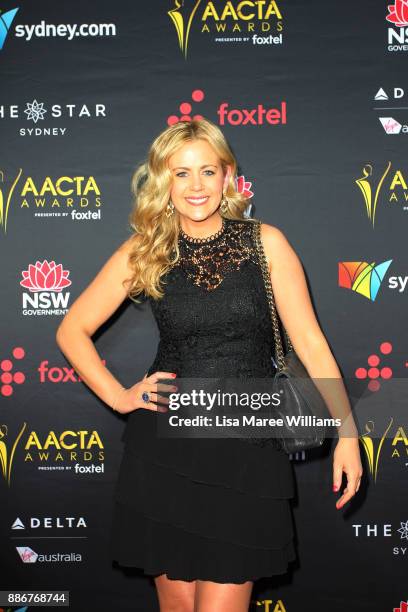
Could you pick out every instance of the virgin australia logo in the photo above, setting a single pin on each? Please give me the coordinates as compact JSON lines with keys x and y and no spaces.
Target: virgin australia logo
{"x":6,"y":19}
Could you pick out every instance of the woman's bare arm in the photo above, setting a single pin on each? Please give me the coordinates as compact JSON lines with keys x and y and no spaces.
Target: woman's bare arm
{"x":296,"y":311}
{"x":298,"y":317}
{"x":90,"y":310}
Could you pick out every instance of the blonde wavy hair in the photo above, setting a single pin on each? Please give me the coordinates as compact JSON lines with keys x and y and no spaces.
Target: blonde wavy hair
{"x":154,"y":242}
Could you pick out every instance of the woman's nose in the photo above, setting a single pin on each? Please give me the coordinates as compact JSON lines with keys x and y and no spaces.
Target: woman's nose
{"x":196,"y":182}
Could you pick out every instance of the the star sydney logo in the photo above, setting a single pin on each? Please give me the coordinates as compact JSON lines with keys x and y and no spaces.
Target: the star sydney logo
{"x":35,"y":111}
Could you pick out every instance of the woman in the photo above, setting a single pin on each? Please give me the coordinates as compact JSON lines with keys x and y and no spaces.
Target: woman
{"x":204,"y":517}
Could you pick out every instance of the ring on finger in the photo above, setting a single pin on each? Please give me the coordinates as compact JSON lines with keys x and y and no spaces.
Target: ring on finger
{"x":146,"y":397}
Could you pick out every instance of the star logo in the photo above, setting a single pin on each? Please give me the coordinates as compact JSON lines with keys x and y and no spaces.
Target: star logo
{"x":35,"y":111}
{"x":403,"y":530}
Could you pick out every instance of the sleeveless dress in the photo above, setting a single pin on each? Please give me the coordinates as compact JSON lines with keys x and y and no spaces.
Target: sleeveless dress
{"x":207,"y":508}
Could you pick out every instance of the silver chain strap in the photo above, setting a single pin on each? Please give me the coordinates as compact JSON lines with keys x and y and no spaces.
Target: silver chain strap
{"x":280,"y":355}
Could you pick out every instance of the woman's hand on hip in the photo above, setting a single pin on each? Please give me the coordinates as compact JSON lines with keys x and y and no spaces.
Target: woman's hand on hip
{"x":147,"y":389}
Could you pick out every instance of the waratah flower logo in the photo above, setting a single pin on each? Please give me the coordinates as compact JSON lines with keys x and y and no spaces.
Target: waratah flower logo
{"x":398,"y":13}
{"x":45,"y":276}
{"x":243,"y":186}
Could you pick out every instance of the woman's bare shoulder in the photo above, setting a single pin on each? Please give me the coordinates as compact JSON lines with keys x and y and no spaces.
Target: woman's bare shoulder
{"x":276,"y":245}
{"x":272,"y":235}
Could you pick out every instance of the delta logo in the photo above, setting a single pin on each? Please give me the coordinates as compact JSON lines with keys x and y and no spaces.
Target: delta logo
{"x":398,"y":33}
{"x":45,"y":281}
{"x":49,"y":522}
{"x":77,"y":198}
{"x":242,"y":22}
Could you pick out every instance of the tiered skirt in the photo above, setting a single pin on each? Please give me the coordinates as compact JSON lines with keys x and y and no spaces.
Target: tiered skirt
{"x":207,"y":509}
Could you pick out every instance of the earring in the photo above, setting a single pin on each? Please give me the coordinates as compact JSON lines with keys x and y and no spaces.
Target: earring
{"x":170,"y":209}
{"x":224,"y":203}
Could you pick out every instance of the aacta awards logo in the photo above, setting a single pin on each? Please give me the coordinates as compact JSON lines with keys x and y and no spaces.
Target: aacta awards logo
{"x":249,"y":22}
{"x":371,"y":191}
{"x":75,"y":451}
{"x":70,"y":197}
{"x":6,"y":453}
{"x":393,"y":443}
{"x":382,"y":188}
{"x":45,"y":281}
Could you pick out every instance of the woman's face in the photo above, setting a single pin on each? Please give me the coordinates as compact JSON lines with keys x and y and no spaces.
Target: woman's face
{"x":198,"y":180}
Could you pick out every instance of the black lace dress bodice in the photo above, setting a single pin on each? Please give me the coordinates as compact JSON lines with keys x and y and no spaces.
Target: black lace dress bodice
{"x":214,"y":319}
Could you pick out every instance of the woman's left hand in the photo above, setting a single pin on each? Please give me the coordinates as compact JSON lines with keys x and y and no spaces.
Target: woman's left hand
{"x":347,"y":458}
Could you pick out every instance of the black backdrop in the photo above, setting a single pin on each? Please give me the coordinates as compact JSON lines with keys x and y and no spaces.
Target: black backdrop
{"x":77,"y":114}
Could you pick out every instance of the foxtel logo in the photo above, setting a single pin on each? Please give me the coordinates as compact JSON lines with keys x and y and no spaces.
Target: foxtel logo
{"x":255,"y":116}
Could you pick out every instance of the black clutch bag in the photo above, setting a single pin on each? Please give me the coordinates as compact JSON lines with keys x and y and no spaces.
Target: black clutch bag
{"x":301,"y":405}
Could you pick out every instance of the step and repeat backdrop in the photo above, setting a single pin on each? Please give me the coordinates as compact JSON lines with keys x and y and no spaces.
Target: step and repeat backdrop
{"x":312,"y":97}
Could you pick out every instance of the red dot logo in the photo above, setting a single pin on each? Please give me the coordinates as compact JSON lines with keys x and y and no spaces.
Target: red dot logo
{"x":186,"y":109}
{"x":8,"y":375}
{"x":374,"y":373}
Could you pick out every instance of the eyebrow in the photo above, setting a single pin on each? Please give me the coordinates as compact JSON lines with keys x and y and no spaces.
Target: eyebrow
{"x":186,"y":168}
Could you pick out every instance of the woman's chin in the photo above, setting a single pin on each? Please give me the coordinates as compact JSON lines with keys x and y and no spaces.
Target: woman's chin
{"x":198,"y":213}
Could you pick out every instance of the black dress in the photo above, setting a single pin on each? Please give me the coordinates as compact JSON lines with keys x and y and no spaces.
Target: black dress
{"x":208,"y":509}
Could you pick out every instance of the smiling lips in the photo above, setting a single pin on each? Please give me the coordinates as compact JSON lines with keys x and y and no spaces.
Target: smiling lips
{"x":197,"y":201}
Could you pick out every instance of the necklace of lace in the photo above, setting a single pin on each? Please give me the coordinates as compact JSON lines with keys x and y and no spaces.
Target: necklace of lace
{"x":206,"y":261}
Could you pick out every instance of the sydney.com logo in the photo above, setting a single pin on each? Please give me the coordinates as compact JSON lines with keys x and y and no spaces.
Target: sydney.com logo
{"x":6,"y":19}
{"x":366,"y":278}
{"x":51,"y":30}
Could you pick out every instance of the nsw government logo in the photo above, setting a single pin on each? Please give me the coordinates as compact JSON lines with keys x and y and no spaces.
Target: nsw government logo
{"x":45,"y":281}
{"x":397,"y":20}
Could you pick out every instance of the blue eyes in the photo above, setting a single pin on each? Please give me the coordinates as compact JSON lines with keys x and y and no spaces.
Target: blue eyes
{"x":205,"y":171}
